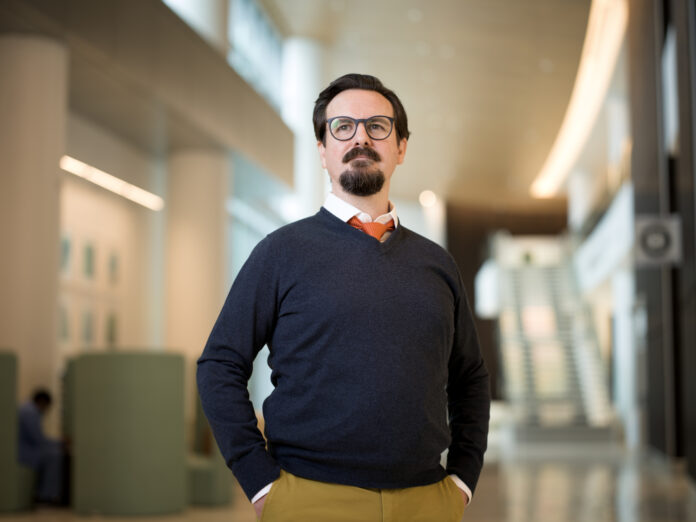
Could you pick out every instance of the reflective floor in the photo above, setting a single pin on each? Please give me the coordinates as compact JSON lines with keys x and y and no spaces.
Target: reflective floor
{"x":557,"y":483}
{"x":582,"y":483}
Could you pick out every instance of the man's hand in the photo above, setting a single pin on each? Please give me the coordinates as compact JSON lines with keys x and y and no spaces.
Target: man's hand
{"x":465,"y":497}
{"x":258,"y":506}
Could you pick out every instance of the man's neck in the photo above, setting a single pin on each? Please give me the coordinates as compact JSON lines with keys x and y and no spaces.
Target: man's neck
{"x":374,"y":205}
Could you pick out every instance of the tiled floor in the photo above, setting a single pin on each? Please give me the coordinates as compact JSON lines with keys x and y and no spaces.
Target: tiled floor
{"x":560,"y":483}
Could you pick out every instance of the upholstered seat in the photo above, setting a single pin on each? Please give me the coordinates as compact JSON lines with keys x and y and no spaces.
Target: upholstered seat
{"x":127,"y":423}
{"x":16,"y":481}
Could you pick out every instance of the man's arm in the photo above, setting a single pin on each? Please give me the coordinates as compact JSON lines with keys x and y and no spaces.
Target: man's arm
{"x":244,"y":325}
{"x":468,"y":399}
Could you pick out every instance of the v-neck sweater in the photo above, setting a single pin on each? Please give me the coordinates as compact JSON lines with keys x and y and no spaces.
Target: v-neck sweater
{"x":371,"y":344}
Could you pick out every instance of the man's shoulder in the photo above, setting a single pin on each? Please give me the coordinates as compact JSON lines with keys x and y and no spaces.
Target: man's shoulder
{"x":28,"y":409}
{"x":427,"y":246}
{"x":288,"y":238}
{"x":292,"y":232}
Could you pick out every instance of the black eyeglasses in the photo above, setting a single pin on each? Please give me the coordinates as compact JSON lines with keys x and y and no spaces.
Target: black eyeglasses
{"x":344,"y":128}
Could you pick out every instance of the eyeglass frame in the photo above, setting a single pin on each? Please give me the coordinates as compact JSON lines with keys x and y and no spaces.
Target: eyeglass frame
{"x":357,"y":122}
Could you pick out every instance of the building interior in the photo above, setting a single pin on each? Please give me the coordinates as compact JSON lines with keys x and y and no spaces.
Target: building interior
{"x":149,"y":145}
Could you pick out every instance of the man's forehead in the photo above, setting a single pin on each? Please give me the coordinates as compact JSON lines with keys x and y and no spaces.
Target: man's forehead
{"x":360,"y":103}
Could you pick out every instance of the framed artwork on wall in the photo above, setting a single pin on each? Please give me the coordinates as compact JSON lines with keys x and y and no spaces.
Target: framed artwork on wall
{"x":88,"y":265}
{"x":111,"y":330}
{"x":113,"y":268}
{"x":87,"y":338}
{"x":65,"y":255}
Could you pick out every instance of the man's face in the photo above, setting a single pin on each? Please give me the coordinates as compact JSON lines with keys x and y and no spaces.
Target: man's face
{"x":360,"y":165}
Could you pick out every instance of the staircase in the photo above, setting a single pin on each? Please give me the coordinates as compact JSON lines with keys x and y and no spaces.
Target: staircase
{"x":555,"y":377}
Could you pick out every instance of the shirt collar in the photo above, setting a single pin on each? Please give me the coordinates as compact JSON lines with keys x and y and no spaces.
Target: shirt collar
{"x":344,"y":211}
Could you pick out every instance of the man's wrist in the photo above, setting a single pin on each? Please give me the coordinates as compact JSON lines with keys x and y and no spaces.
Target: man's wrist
{"x":461,"y":485}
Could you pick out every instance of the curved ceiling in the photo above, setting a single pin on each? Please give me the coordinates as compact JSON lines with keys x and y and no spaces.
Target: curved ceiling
{"x":485,"y":82}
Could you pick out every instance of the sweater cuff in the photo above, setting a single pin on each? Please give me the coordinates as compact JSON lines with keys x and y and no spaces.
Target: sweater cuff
{"x":255,"y":470}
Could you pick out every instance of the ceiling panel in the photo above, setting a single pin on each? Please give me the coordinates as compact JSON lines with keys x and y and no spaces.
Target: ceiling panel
{"x":485,"y":82}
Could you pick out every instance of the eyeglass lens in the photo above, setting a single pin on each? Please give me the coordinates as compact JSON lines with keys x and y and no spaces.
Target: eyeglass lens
{"x":377,"y":127}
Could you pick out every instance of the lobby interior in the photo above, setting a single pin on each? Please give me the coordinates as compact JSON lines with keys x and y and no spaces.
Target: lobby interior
{"x":149,"y":145}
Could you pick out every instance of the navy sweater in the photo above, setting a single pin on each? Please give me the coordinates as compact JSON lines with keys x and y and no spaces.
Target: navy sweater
{"x":371,"y":344}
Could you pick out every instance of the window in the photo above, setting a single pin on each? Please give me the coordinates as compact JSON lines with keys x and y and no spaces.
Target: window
{"x":256,"y":49}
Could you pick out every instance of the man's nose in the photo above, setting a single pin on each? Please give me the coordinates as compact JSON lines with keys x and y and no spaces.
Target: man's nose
{"x":361,"y":135}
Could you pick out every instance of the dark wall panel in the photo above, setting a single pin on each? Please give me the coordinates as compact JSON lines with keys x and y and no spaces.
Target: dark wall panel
{"x":684,"y":19}
{"x":648,"y":164}
{"x":468,"y":230}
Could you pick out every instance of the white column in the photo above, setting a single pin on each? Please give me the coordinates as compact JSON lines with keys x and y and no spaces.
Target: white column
{"x":196,"y":253}
{"x":196,"y":246}
{"x":33,"y":109}
{"x":302,"y":82}
{"x":625,"y":356}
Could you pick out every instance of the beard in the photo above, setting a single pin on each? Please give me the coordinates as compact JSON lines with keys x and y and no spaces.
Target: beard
{"x":359,"y":179}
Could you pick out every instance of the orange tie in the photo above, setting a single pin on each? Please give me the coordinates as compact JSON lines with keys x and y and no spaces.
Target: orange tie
{"x":373,"y":229}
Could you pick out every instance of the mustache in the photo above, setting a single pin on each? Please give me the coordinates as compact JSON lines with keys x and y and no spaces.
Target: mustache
{"x":361,"y":151}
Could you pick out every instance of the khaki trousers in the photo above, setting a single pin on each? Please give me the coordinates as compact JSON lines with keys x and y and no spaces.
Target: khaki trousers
{"x":294,"y":499}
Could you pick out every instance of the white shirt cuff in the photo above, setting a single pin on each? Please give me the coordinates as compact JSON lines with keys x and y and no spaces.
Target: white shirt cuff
{"x":261,"y":493}
{"x":460,"y":484}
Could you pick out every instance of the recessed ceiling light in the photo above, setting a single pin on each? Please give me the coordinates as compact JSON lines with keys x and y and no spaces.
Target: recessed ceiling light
{"x":415,"y":15}
{"x":423,"y":49}
{"x":427,"y":198}
{"x":338,"y":6}
{"x":453,"y":123}
{"x":434,"y":120}
{"x":428,"y":76}
{"x":446,"y":51}
{"x":531,"y":136}
{"x":546,"y":66}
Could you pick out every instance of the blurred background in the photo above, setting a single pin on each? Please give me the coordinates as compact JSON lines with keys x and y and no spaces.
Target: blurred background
{"x":148,"y":145}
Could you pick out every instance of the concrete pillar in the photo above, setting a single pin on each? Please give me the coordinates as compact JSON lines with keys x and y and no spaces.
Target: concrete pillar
{"x":33,"y":105}
{"x":302,"y":82}
{"x":196,"y":252}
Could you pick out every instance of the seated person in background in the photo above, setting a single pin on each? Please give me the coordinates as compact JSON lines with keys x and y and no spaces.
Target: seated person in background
{"x":44,"y":455}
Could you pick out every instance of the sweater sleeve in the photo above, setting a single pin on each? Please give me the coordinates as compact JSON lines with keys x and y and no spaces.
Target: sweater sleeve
{"x":468,"y":396}
{"x":244,"y":326}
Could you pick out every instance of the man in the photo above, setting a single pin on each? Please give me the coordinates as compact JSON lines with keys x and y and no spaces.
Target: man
{"x":39,"y":452}
{"x":371,"y":343}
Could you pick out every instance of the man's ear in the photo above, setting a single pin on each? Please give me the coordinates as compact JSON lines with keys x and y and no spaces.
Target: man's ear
{"x":322,"y":151}
{"x":402,"y":150}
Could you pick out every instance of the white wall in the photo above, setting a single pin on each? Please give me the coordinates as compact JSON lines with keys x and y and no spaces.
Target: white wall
{"x":113,"y":226}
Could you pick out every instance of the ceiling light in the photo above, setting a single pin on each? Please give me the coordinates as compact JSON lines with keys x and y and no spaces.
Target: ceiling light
{"x":422,"y":48}
{"x":111,"y":183}
{"x":546,"y":65}
{"x":454,"y":123}
{"x":415,"y":15}
{"x":606,"y":28}
{"x":427,"y":198}
{"x":337,"y":6}
{"x":446,"y":51}
{"x":435,"y":120}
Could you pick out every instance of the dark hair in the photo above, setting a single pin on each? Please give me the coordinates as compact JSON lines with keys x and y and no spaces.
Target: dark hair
{"x":42,"y":395}
{"x":358,"y":81}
